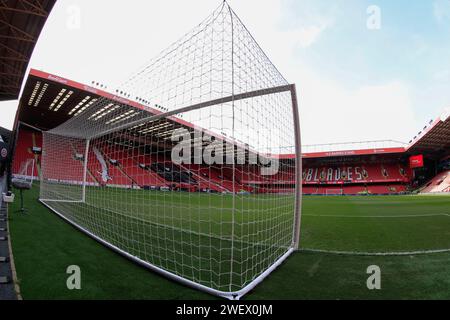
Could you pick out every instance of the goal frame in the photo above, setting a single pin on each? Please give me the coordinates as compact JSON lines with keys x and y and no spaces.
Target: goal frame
{"x":235,"y":295}
{"x":341,"y":192}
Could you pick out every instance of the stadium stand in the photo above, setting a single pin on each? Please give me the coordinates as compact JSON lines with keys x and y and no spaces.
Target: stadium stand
{"x":358,"y":173}
{"x":381,"y":174}
{"x":29,"y":146}
{"x":381,"y":170}
{"x":68,"y":151}
{"x":140,"y":171}
{"x":208,"y":178}
{"x":439,"y":184}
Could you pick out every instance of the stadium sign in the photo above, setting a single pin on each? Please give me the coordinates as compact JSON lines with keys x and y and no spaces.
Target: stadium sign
{"x":416,"y":162}
{"x":57,"y":79}
{"x":90,"y":89}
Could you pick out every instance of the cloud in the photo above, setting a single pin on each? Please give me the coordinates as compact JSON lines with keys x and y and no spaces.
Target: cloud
{"x":332,"y":113}
{"x":442,"y":75}
{"x":305,"y":22}
{"x":307,"y":36}
{"x":441,"y":10}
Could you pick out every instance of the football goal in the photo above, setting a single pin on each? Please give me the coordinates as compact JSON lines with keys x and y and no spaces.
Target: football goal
{"x":194,"y":170}
{"x":334,"y":192}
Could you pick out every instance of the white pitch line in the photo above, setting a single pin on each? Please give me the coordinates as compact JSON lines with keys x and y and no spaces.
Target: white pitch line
{"x":359,"y":253}
{"x":391,"y":216}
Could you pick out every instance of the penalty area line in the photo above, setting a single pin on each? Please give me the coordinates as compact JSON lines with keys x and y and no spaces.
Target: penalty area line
{"x":362,"y":253}
{"x":382,"y":216}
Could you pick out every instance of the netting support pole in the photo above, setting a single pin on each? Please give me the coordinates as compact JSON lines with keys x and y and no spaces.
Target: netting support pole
{"x":86,"y":151}
{"x":298,"y":170}
{"x":234,"y":153}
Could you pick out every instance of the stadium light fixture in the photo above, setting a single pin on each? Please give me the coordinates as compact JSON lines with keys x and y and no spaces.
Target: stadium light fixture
{"x":41,"y":94}
{"x":79,"y":105}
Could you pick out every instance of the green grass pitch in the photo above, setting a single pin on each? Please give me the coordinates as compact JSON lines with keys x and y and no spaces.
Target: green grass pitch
{"x":44,"y":246}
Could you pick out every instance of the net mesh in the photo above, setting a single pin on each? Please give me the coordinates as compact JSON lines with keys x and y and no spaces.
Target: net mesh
{"x":197,"y":175}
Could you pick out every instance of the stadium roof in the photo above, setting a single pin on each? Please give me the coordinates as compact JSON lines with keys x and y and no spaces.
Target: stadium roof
{"x":347,"y":153}
{"x":353,"y":149}
{"x":49,"y":100}
{"x":21,"y":22}
{"x":434,"y":138}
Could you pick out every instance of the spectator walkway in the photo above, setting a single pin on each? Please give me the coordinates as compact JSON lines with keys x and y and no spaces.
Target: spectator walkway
{"x":7,"y":290}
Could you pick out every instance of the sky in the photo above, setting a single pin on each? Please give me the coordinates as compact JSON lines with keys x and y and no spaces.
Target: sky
{"x":364,"y":70}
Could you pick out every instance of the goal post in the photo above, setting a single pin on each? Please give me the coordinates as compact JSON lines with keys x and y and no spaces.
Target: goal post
{"x":198,"y":178}
{"x":298,"y":169}
{"x":85,"y":163}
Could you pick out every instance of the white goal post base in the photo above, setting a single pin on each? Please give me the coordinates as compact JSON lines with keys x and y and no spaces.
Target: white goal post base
{"x":61,"y":201}
{"x":227,"y":295}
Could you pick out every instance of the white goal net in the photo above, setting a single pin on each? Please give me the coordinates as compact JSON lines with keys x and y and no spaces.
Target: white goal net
{"x":196,"y":173}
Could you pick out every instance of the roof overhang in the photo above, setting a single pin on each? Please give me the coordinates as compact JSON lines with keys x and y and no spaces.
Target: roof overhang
{"x":21,"y":22}
{"x":49,"y":101}
{"x":434,"y":139}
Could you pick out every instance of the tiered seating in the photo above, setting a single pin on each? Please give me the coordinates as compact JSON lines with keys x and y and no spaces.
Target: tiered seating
{"x":94,"y":167}
{"x":252,"y":175}
{"x":115,"y":159}
{"x":208,"y":178}
{"x":141,"y":174}
{"x":364,"y":173}
{"x":171,"y":172}
{"x":133,"y":169}
{"x":57,"y":167}
{"x":124,"y":169}
{"x":365,"y":178}
{"x":137,"y":167}
{"x":27,"y":139}
{"x":224,"y":176}
{"x":440,"y":183}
